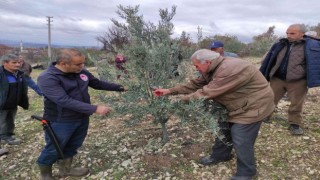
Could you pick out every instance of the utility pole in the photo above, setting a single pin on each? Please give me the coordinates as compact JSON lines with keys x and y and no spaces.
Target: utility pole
{"x":21,"y":46}
{"x":199,"y":36}
{"x":49,"y":36}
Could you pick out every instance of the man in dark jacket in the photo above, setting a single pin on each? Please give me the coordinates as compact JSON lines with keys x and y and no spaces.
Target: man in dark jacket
{"x":13,"y":93}
{"x":67,"y":106}
{"x":291,"y":66}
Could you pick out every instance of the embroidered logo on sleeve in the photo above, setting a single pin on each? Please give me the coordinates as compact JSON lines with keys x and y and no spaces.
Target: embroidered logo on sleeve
{"x":84,"y":77}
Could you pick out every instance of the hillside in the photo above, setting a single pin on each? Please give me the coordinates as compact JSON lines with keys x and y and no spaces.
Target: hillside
{"x":38,"y":45}
{"x":114,"y":150}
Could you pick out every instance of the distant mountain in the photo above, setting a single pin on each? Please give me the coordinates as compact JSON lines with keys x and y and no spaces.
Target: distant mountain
{"x":37,"y":45}
{"x":25,"y":44}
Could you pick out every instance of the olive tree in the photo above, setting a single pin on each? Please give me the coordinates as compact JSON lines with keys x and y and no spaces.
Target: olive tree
{"x":152,"y":60}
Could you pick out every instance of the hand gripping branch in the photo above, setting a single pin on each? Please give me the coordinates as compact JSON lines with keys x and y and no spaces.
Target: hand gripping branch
{"x":48,"y":129}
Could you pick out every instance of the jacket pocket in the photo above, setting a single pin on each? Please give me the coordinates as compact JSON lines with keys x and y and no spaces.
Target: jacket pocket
{"x":237,"y":107}
{"x":314,"y":49}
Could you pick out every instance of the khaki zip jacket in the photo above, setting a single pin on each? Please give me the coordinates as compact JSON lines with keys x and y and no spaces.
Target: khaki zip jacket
{"x":236,"y":84}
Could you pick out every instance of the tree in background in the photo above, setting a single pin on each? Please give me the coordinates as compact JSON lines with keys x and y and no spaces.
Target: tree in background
{"x":185,"y":44}
{"x":261,"y":43}
{"x":151,"y":54}
{"x":113,"y":39}
{"x":185,"y":39}
{"x":199,"y":35}
{"x":205,"y":42}
{"x":231,"y":43}
{"x":4,"y":49}
{"x":315,"y":28}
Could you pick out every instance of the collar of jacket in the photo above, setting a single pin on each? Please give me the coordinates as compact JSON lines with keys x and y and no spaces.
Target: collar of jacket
{"x":55,"y":70}
{"x":285,"y":40}
{"x":213,"y":66}
{"x":309,"y":37}
{"x":17,"y":73}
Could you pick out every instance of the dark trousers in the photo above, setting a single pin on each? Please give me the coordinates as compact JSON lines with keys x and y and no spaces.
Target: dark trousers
{"x":7,"y":126}
{"x":70,"y":137}
{"x":241,"y":137}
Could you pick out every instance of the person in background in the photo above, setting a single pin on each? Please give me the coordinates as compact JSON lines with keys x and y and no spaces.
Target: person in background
{"x":120,"y":61}
{"x":67,"y":107}
{"x":27,"y":69}
{"x":240,"y":87}
{"x":217,"y":46}
{"x":291,"y":66}
{"x":176,"y":58}
{"x":13,"y":93}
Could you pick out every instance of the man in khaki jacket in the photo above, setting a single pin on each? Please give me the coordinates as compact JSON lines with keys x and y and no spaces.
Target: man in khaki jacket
{"x":242,"y":89}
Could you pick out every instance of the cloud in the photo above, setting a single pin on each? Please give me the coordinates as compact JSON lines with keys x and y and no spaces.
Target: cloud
{"x":78,"y":22}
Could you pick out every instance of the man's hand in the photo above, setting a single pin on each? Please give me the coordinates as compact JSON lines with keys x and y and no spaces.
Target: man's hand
{"x":161,"y":92}
{"x":123,"y":88}
{"x":103,"y":110}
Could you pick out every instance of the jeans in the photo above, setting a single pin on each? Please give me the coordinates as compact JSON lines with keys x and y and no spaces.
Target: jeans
{"x":70,"y":137}
{"x":7,"y":122}
{"x":241,"y":137}
{"x":33,"y":85}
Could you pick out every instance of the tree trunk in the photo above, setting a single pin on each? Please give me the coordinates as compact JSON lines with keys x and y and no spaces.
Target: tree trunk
{"x":165,"y":134}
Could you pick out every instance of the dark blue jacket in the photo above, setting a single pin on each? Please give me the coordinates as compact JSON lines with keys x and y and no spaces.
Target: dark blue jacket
{"x":4,"y":88}
{"x":66,"y":96}
{"x":312,"y":57}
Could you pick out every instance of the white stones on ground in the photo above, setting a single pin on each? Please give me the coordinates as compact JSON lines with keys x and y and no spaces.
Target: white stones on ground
{"x":100,"y":175}
{"x":86,"y":161}
{"x":312,"y":172}
{"x":305,"y":137}
{"x":114,"y":152}
{"x":11,"y":167}
{"x":167,"y":176}
{"x":109,"y":171}
{"x":24,"y":175}
{"x":126,"y":163}
{"x":85,"y":152}
{"x":124,"y":150}
{"x":173,"y":155}
{"x":98,"y":144}
{"x":195,"y":165}
{"x":222,"y":169}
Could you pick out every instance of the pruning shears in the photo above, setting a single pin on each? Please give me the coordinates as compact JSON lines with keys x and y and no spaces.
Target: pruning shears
{"x":48,"y":129}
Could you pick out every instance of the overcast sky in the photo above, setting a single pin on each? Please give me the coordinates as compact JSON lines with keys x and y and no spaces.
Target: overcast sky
{"x":78,"y":22}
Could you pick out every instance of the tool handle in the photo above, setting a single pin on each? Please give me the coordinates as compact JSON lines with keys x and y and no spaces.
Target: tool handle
{"x":39,"y":118}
